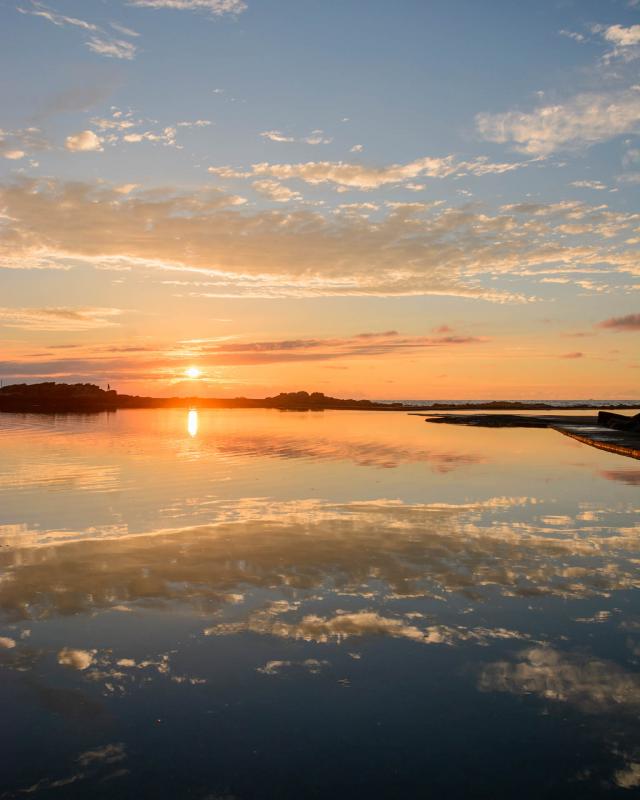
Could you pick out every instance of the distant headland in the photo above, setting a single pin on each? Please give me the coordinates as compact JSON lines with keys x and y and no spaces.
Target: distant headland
{"x":52,"y":397}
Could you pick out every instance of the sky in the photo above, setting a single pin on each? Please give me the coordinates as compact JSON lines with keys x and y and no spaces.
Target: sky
{"x":418,"y":199}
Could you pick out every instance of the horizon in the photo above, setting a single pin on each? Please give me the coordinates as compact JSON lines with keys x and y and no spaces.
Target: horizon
{"x":222,"y":198}
{"x":381,"y":400}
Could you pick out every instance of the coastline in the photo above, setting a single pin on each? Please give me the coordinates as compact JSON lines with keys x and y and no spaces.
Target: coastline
{"x":611,"y":432}
{"x":47,"y":398}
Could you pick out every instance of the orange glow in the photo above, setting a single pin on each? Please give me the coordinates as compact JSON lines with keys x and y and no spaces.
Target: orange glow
{"x":192,"y":422}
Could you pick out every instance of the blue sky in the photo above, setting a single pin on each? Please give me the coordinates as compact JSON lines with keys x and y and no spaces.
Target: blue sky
{"x":276,"y":172}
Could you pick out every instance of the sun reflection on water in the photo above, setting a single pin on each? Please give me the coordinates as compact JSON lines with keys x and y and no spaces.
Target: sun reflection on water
{"x":192,"y":422}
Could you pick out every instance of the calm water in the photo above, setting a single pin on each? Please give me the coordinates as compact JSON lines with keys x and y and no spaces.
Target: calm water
{"x":257,"y":604}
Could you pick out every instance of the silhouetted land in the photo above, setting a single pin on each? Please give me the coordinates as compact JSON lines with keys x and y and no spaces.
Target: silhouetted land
{"x":616,"y":433}
{"x":54,"y":397}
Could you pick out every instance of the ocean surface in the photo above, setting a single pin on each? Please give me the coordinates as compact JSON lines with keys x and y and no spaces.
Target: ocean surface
{"x":251,"y":605}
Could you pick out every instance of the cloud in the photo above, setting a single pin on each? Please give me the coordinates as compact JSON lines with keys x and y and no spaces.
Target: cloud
{"x":589,"y":185}
{"x":311,"y":665}
{"x":18,"y":143}
{"x":275,"y":191}
{"x":339,"y":628}
{"x":60,"y":20}
{"x":591,"y":684}
{"x":107,"y":754}
{"x":83,"y":142}
{"x":123,"y":127}
{"x":315,"y":137}
{"x":124,"y":30}
{"x":630,"y":322}
{"x":112,"y":48}
{"x":625,"y":41}
{"x":99,"y":40}
{"x":629,"y":777}
{"x":581,"y":121}
{"x":167,"y":137}
{"x":233,"y":251}
{"x":573,"y":355}
{"x":126,"y":188}
{"x":361,"y":345}
{"x":276,"y":136}
{"x":357,"y":148}
{"x":621,"y":36}
{"x":76,"y":659}
{"x":158,"y":363}
{"x":360,"y":176}
{"x":216,"y":8}
{"x":577,"y":37}
{"x":58,"y":319}
{"x":198,"y":123}
{"x":472,"y":550}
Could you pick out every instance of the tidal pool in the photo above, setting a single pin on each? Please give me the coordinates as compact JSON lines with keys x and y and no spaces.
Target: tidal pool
{"x":261,"y":604}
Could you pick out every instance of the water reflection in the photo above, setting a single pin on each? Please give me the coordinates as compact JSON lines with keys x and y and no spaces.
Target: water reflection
{"x":302,"y":585}
{"x":378,"y":551}
{"x":192,"y":422}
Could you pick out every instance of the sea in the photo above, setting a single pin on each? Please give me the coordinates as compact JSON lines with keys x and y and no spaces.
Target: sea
{"x":235,"y":604}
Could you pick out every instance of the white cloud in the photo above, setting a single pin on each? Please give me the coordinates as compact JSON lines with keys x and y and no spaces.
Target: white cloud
{"x":114,"y":124}
{"x":591,"y":684}
{"x":354,"y":175}
{"x":589,"y":185}
{"x":167,"y":137}
{"x":577,"y":37}
{"x":275,"y":191}
{"x":339,"y":628}
{"x":217,"y":8}
{"x":625,"y":41}
{"x":311,"y":665}
{"x":112,"y":48}
{"x":16,"y":144}
{"x":83,"y":142}
{"x":76,"y":659}
{"x":124,"y":30}
{"x":357,"y":148}
{"x":623,"y":37}
{"x":276,"y":136}
{"x":60,"y":20}
{"x":583,"y":120}
{"x":198,"y":123}
{"x":100,"y":41}
{"x":315,"y":137}
{"x":406,"y":251}
{"x":361,"y":176}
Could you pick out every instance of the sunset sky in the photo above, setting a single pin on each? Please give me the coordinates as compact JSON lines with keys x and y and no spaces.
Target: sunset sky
{"x":419,"y":199}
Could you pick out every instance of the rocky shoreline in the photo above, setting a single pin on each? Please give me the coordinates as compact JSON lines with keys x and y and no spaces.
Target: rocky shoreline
{"x":616,"y":433}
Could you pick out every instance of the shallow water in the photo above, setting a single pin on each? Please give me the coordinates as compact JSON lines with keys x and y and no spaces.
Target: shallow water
{"x":262,"y":604}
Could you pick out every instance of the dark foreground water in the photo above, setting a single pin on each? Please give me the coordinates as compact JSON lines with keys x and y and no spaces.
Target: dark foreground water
{"x":257,"y":604}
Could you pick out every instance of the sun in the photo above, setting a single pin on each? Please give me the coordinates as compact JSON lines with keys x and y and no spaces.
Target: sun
{"x":192,"y":372}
